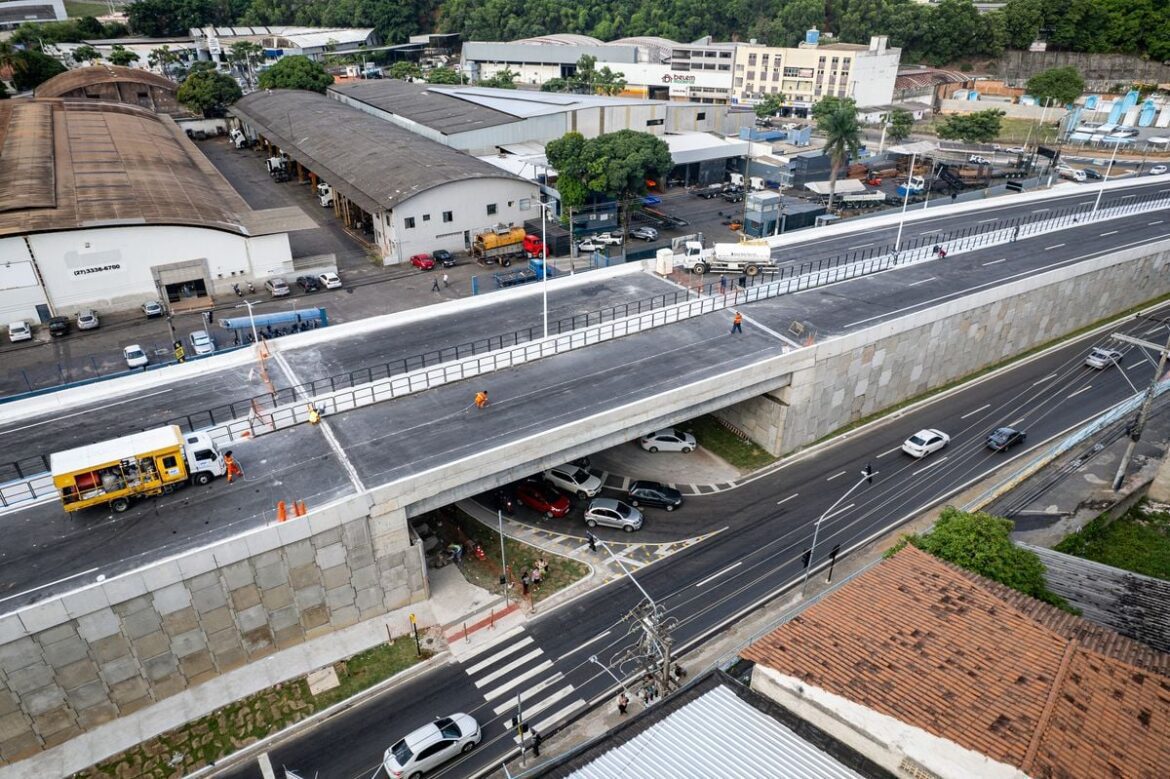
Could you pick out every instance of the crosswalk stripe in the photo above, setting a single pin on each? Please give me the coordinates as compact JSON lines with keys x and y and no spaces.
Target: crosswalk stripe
{"x":497,"y":655}
{"x":548,"y":722}
{"x":503,"y":689}
{"x":535,"y":653}
{"x":532,"y":710}
{"x":526,"y":694}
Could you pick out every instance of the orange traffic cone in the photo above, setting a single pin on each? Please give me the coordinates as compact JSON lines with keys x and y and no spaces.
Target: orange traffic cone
{"x":281,"y":512}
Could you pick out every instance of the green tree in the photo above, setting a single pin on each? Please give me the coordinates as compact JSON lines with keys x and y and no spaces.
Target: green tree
{"x":208,"y":92}
{"x":769,"y":106}
{"x":403,"y":70}
{"x":982,"y":543}
{"x":85,"y":54}
{"x":246,"y":55}
{"x":1022,"y":20}
{"x":120,"y":55}
{"x":555,"y":84}
{"x":504,"y":79}
{"x":160,"y":18}
{"x":442,"y":76}
{"x":162,"y":58}
{"x":899,"y":122}
{"x":296,"y":72}
{"x":1060,"y":85}
{"x":979,"y":127}
{"x":837,"y":121}
{"x":32,"y":68}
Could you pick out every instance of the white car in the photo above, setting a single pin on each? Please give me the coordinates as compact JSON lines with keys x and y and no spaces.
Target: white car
{"x":609,"y":239}
{"x":574,"y":480}
{"x":329,"y":281}
{"x":591,"y":245}
{"x":1016,"y":150}
{"x":1158,"y":170}
{"x":87,"y":320}
{"x":134,"y":356}
{"x":978,"y":159}
{"x":152,"y":308}
{"x":613,"y":513}
{"x":1102,"y":358}
{"x":277,"y":287}
{"x":669,"y":440}
{"x":201,"y":342}
{"x":431,"y":745}
{"x":19,"y":331}
{"x":924,"y":442}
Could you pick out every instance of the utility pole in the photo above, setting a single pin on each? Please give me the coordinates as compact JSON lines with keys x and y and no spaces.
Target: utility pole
{"x":1135,"y":432}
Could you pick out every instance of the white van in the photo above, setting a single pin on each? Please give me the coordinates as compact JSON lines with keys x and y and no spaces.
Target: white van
{"x":19,"y":331}
{"x":1074,"y":174}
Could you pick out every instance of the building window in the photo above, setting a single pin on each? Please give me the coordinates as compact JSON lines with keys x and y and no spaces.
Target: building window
{"x":448,"y":217}
{"x":409,"y":222}
{"x":739,"y":82}
{"x":751,"y":75}
{"x":701,"y":116}
{"x":426,"y":217}
{"x":655,"y":122}
{"x":751,"y":60}
{"x":491,"y":209}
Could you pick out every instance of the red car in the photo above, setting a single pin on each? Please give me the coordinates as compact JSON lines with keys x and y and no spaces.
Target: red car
{"x":423,"y":262}
{"x":542,"y":498}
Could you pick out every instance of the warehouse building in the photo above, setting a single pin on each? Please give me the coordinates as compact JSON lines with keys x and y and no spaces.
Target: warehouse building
{"x":413,"y":194}
{"x":107,"y":206}
{"x":116,"y":84}
{"x":14,"y":13}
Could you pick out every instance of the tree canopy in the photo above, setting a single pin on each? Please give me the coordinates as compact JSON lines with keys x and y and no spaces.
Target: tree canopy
{"x":837,"y":121}
{"x":979,"y":127}
{"x":442,"y":76}
{"x":1061,"y":85}
{"x":31,"y":68}
{"x":296,"y":72}
{"x":504,"y":79}
{"x":899,"y":123}
{"x":160,"y":18}
{"x":208,"y":92}
{"x":120,"y":55}
{"x":403,"y":70}
{"x":615,"y":165}
{"x":769,"y":106}
{"x":85,"y":54}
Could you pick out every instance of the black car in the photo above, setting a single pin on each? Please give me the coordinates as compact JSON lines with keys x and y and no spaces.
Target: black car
{"x":308,"y":283}
{"x":58,"y":326}
{"x":444,"y":258}
{"x":1092,"y":173}
{"x":651,"y":493}
{"x":1004,"y":438}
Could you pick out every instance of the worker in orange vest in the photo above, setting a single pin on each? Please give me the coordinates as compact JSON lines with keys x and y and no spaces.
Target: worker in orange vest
{"x":233,"y":468}
{"x":481,"y":399}
{"x":737,"y":324}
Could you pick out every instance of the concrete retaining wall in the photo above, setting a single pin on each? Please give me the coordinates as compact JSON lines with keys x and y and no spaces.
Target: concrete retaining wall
{"x":71,"y":663}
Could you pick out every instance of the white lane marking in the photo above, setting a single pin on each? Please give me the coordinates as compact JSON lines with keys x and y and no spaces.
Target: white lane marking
{"x":582,"y":646}
{"x":1111,"y":232}
{"x":511,"y":684}
{"x":512,"y":666}
{"x":1053,"y":246}
{"x":939,"y":461}
{"x":790,"y":497}
{"x":888,"y":451}
{"x":266,"y":766}
{"x":835,"y":475}
{"x":841,"y":510}
{"x":1046,"y":378}
{"x":1085,"y":388}
{"x":1135,"y":365}
{"x":1016,"y":423}
{"x":539,"y":706}
{"x":930,"y":232}
{"x":984,"y":407}
{"x":982,"y":221}
{"x":1040,"y":210}
{"x":87,"y":412}
{"x":916,"y":283}
{"x":1152,"y":330}
{"x":862,"y":246}
{"x":1151,"y":224}
{"x":497,"y":655}
{"x":715,"y":576}
{"x":510,"y":705}
{"x":43,"y":586}
{"x":995,"y":262}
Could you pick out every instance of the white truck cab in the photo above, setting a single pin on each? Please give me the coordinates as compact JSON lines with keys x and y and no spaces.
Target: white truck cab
{"x":748,"y":258}
{"x":204,"y":462}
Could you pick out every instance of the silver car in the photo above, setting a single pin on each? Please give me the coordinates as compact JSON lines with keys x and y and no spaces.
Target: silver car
{"x":431,"y":745}
{"x":87,"y":320}
{"x":645,"y":233}
{"x":1102,"y":358}
{"x":574,"y":480}
{"x":613,"y":513}
{"x":669,"y":440}
{"x":201,"y":342}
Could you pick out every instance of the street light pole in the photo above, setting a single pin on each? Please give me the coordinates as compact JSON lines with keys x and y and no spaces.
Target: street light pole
{"x":1135,"y":433}
{"x":1108,"y":170}
{"x":251,"y":318}
{"x":627,"y":572}
{"x":905,"y":202}
{"x":604,"y":667}
{"x":866,"y":475}
{"x":544,"y":262}
{"x":503,"y":556}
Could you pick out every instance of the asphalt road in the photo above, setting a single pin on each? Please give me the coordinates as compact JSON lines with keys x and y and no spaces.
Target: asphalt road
{"x":404,"y":437}
{"x":769,"y":524}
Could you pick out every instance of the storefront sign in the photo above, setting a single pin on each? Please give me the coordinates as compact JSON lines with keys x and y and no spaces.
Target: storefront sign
{"x":677,"y":78}
{"x":96,"y":269}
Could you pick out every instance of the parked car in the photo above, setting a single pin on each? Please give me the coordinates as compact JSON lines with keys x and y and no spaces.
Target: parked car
{"x":59,"y":326}
{"x":307,"y":283}
{"x":669,"y":440}
{"x":645,"y":232}
{"x":201,"y":342}
{"x":1102,"y":358}
{"x":278,"y":288}
{"x":1158,"y":170}
{"x":543,"y":499}
{"x":613,"y":513}
{"x":609,"y":238}
{"x":87,"y":320}
{"x":1004,"y":438}
{"x":134,"y":356}
{"x":423,"y":262}
{"x":329,"y":280}
{"x":651,"y":493}
{"x":1016,"y":150}
{"x":1092,"y":173}
{"x":431,"y":745}
{"x":152,"y":308}
{"x":443,"y":257}
{"x":19,"y":331}
{"x":978,"y":159}
{"x":590,"y":245}
{"x":924,"y":442}
{"x":574,"y":479}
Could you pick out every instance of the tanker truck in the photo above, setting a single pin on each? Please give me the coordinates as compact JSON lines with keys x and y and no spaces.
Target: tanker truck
{"x":748,"y":258}
{"x":502,"y":244}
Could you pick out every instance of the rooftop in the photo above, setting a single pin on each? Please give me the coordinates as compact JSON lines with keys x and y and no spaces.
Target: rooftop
{"x":79,"y":78}
{"x":968,"y":660}
{"x":421,"y":104}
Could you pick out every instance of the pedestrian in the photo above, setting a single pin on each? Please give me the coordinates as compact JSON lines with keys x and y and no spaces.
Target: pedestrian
{"x":623,"y":703}
{"x":743,"y":281}
{"x":525,"y":580}
{"x":481,"y":399}
{"x":542,"y":566}
{"x":592,"y":541}
{"x":1015,"y":232}
{"x":942,"y":253}
{"x":314,"y":415}
{"x":937,"y":249}
{"x":737,"y":324}
{"x":233,"y":468}
{"x":446,"y":280}
{"x":723,"y":284}
{"x":536,"y":739}
{"x":435,"y":286}
{"x":537,"y":576}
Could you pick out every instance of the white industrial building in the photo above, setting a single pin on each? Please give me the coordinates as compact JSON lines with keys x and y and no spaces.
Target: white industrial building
{"x":14,"y":13}
{"x":109,"y":205}
{"x":414,"y":194}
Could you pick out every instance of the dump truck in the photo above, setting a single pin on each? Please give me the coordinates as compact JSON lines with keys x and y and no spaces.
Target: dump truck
{"x":115,"y":472}
{"x":749,"y":258}
{"x":502,"y":244}
{"x":915,"y":185}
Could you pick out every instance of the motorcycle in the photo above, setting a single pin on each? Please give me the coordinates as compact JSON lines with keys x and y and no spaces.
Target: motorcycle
{"x":251,"y":288}
{"x":239,"y":292}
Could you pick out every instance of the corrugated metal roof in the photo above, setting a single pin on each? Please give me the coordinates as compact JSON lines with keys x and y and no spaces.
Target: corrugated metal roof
{"x":420,"y":103}
{"x":78,"y":78}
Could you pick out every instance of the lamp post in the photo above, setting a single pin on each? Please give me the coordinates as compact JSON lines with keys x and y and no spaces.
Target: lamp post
{"x":866,"y":475}
{"x":1108,"y":170}
{"x":905,"y":202}
{"x":503,"y":556}
{"x":604,"y":667}
{"x":251,"y":318}
{"x":544,"y":262}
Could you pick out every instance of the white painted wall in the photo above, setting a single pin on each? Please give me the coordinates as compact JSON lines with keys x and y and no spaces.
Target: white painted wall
{"x":20,"y":293}
{"x":873,"y":77}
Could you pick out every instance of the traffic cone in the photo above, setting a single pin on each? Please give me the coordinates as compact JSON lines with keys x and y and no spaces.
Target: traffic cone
{"x":299,"y":508}
{"x":281,"y":512}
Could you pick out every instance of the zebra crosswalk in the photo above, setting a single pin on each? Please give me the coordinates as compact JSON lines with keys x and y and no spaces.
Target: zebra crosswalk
{"x":521,"y":674}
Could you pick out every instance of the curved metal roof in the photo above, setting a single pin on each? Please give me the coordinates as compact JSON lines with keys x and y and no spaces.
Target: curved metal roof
{"x":563,"y":39}
{"x":658,"y":48}
{"x":78,"y":78}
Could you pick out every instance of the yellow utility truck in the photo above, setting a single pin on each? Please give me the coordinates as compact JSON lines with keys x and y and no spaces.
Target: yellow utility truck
{"x":115,"y":472}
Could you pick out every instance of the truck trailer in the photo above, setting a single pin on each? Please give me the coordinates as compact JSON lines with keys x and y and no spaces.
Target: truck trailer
{"x":503,"y":244}
{"x":115,"y":472}
{"x":749,"y":258}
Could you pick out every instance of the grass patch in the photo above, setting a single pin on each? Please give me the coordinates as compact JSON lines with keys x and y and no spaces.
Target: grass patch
{"x":1139,"y":541}
{"x":1012,"y":132}
{"x":203,"y":741}
{"x":743,"y":453}
{"x":452,"y":525}
{"x":75,"y":9}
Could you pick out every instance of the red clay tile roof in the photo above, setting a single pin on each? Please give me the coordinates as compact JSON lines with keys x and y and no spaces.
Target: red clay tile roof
{"x":966,"y":660}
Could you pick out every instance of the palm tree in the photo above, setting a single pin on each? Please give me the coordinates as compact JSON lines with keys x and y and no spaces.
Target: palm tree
{"x":837,"y":122}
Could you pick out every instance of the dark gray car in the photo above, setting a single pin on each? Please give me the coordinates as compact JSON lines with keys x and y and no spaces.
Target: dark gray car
{"x":652,"y":493}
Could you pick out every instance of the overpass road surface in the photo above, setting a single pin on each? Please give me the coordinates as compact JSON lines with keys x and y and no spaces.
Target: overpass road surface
{"x":403,"y":438}
{"x":766,"y":525}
